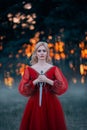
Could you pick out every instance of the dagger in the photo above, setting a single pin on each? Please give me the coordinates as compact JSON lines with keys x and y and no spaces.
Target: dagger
{"x":40,"y":91}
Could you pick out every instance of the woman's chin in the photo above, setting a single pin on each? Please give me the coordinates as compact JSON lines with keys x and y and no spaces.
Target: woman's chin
{"x":42,"y":58}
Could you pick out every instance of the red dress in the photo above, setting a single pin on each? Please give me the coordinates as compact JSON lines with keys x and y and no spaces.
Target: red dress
{"x":50,"y":115}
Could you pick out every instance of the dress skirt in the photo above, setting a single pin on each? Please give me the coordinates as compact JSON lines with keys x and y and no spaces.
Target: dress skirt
{"x":48,"y":116}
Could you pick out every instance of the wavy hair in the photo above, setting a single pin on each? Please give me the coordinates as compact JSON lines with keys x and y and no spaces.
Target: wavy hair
{"x":34,"y":58}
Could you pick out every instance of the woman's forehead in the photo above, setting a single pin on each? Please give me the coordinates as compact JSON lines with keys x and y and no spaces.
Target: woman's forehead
{"x":41,"y":47}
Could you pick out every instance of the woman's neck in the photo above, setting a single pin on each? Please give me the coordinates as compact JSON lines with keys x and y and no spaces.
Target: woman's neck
{"x":42,"y":62}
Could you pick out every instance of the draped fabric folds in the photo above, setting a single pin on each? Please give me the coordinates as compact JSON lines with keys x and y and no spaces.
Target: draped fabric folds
{"x":50,"y":115}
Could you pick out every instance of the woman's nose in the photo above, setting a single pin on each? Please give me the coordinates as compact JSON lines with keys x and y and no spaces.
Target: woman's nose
{"x":42,"y":52}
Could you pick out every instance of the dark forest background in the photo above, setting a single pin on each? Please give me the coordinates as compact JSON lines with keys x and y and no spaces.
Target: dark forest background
{"x":62,"y":20}
{"x":63,"y":25}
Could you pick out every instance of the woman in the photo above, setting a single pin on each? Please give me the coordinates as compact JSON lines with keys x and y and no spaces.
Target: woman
{"x":42,"y":82}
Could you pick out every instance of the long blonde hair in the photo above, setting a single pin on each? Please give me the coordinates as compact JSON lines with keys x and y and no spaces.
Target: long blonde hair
{"x":34,"y":58}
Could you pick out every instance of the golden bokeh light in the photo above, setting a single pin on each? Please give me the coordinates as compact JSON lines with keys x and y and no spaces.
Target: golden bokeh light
{"x":16,"y":20}
{"x":0,"y":64}
{"x":82,"y":80}
{"x":57,"y":56}
{"x":1,"y":47}
{"x":22,"y":68}
{"x":31,"y":27}
{"x":8,"y":80}
{"x":28,"y":6}
{"x":74,"y":80}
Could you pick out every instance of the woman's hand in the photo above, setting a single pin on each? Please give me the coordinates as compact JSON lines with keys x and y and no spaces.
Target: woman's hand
{"x":43,"y":78}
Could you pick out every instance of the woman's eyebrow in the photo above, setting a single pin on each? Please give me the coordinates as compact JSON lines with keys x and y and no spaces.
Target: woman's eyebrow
{"x":41,"y":49}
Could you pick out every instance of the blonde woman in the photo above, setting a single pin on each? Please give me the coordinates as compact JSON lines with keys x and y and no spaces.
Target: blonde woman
{"x":42,"y":82}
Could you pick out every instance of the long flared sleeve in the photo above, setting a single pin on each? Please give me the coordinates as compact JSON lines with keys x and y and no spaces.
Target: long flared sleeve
{"x":26,"y":86}
{"x":60,"y":84}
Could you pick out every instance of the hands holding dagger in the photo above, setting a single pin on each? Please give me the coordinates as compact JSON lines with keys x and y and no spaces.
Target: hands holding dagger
{"x":41,"y":80}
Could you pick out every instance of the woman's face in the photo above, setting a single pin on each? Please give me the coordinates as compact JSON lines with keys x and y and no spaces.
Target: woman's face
{"x":41,"y":53}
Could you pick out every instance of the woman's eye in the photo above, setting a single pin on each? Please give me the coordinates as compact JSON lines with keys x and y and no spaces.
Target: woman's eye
{"x":44,"y":50}
{"x":39,"y":50}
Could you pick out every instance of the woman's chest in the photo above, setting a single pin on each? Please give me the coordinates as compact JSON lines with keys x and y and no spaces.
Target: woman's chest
{"x":49,"y":74}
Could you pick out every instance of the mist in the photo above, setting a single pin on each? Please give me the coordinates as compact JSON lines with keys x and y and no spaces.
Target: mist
{"x":74,"y":103}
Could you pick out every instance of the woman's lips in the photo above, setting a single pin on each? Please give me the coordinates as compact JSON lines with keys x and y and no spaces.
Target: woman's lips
{"x":41,"y":56}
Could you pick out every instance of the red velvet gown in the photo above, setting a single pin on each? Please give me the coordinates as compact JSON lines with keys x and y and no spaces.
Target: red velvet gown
{"x":50,"y":115}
